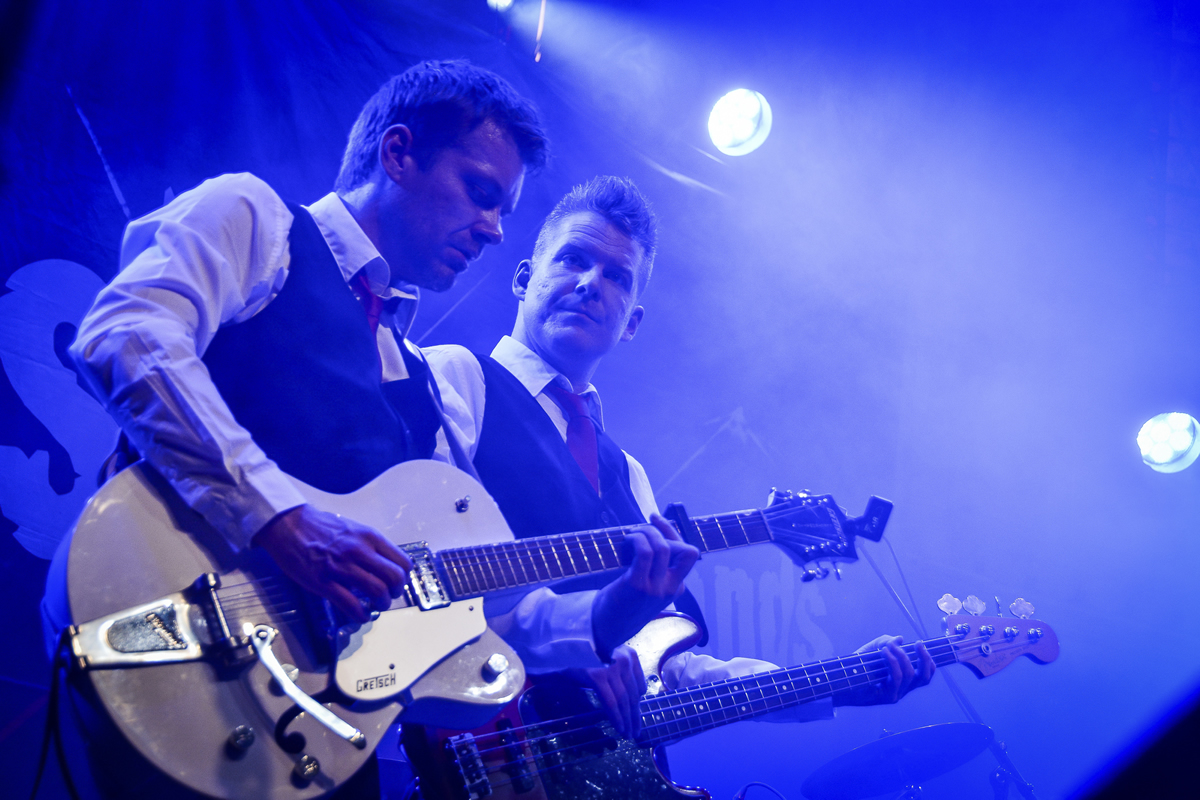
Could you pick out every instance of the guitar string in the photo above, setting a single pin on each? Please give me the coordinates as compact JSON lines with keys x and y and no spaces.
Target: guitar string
{"x":521,"y":552}
{"x":581,"y":729}
{"x":772,"y":675}
{"x":938,"y":648}
{"x":697,"y":722}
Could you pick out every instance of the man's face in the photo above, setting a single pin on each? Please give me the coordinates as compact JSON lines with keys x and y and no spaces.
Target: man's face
{"x":579,"y":296}
{"x":445,"y":213}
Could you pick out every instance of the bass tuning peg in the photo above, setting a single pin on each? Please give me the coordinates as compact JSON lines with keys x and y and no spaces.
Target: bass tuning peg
{"x":949,"y":604}
{"x":974,"y":606}
{"x":1022,"y":608}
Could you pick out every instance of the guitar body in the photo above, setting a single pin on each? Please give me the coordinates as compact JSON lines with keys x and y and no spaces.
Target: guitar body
{"x":555,"y":742}
{"x":137,"y":542}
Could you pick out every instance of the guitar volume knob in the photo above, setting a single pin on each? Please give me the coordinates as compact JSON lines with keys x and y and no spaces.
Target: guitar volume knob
{"x":307,"y":768}
{"x":494,"y":667}
{"x":240,"y":738}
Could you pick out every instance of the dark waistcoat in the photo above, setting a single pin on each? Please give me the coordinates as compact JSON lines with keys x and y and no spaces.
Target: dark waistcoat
{"x":526,"y":467}
{"x":303,"y":377}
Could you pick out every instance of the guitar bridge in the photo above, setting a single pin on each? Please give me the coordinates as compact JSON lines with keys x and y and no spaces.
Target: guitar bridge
{"x":424,"y":586}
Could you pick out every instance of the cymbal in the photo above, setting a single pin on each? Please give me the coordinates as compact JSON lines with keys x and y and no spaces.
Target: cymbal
{"x":893,"y":762}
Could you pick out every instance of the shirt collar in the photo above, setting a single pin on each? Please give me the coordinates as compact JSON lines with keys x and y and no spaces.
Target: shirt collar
{"x":353,"y":251}
{"x":535,"y":374}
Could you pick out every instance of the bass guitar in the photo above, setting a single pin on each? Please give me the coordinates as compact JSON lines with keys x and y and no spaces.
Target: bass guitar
{"x":555,"y":743}
{"x":232,"y":680}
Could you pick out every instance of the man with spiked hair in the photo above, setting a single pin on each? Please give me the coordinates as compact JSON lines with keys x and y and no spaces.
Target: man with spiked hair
{"x":531,"y":421}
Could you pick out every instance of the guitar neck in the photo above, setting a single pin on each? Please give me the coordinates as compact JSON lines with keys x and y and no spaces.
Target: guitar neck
{"x":483,"y":569}
{"x":674,"y":715}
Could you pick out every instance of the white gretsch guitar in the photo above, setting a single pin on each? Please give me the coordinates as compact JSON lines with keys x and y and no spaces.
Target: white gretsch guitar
{"x":227,"y":677}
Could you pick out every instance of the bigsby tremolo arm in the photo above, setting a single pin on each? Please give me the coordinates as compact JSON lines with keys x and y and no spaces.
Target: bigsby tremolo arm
{"x":261,"y":637}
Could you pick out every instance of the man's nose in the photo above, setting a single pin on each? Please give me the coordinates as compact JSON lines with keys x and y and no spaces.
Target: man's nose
{"x":589,"y":281}
{"x":488,"y":229}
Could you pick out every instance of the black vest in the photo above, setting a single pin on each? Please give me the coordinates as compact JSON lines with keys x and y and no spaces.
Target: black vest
{"x":526,"y":467}
{"x":533,"y":477}
{"x":303,"y":377}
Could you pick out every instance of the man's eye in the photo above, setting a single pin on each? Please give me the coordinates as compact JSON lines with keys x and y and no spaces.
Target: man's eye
{"x":480,"y":197}
{"x":570,"y":259}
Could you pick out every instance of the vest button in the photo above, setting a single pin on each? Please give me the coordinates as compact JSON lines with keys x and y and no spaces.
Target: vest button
{"x":606,"y":518}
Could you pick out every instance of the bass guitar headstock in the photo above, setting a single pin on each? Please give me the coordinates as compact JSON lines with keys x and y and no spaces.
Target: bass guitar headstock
{"x":989,"y":644}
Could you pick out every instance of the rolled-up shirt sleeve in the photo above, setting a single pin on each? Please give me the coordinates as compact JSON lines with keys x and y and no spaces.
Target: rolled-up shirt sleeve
{"x":215,"y":255}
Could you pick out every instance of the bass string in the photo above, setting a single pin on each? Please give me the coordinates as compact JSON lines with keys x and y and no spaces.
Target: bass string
{"x":588,"y":728}
{"x":941,"y":646}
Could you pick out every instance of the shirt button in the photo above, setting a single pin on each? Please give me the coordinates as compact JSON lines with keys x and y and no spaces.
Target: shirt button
{"x":606,"y":518}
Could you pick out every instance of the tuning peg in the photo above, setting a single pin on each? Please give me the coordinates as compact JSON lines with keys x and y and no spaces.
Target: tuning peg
{"x":779,"y":496}
{"x":1022,"y":608}
{"x":817,"y":573}
{"x":974,"y":606}
{"x":949,"y":604}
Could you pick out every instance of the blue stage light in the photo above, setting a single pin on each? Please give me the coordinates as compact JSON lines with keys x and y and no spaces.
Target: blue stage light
{"x":1169,"y":442}
{"x":500,"y":5}
{"x":739,"y":122}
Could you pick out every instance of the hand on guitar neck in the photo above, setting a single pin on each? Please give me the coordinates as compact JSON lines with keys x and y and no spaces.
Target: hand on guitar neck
{"x":661,"y":560}
{"x":348,"y":564}
{"x":901,"y":678}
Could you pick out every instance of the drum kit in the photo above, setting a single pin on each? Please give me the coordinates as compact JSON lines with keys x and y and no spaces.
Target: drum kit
{"x":901,"y":762}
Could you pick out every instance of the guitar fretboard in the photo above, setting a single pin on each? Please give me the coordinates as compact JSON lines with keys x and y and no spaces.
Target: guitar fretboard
{"x":472,"y":571}
{"x":674,"y":715}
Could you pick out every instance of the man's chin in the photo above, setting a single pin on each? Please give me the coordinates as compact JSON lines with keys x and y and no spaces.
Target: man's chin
{"x":441,"y":281}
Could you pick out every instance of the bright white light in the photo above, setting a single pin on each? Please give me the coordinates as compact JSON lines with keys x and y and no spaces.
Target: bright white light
{"x":500,"y":5}
{"x":739,"y":122}
{"x":1169,"y":442}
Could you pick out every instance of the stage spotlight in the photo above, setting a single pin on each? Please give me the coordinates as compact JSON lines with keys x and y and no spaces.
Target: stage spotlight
{"x":500,"y":5}
{"x":1169,"y":442}
{"x":739,"y":122}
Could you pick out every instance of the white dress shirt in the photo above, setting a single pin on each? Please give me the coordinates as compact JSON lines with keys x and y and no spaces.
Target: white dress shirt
{"x":216,"y":255}
{"x":461,"y":382}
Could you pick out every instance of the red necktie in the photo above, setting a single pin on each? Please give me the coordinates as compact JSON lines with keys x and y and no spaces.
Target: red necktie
{"x":581,"y":433}
{"x":371,"y":302}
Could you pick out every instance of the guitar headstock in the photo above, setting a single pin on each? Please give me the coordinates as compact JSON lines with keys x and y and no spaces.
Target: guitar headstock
{"x":989,"y":644}
{"x":812,"y":527}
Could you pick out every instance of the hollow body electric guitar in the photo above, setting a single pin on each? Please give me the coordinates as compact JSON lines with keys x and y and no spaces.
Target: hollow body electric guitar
{"x":555,"y":743}
{"x":232,"y":680}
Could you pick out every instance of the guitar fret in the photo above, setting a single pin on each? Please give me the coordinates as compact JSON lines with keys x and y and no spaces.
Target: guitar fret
{"x":505,"y":556}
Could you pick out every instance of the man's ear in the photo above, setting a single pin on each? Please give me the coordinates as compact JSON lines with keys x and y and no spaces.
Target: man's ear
{"x":521,"y":278}
{"x":635,"y":319}
{"x":395,"y":152}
